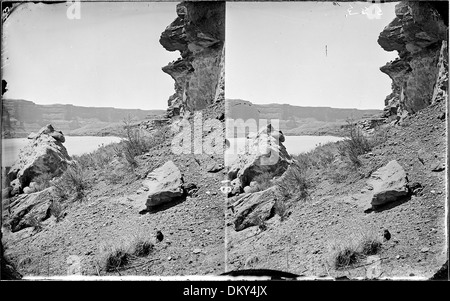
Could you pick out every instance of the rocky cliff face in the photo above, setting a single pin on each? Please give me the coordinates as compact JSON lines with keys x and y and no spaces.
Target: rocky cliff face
{"x":199,"y":34}
{"x":420,"y":75}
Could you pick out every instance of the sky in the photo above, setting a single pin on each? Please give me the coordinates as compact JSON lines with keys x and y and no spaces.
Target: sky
{"x":301,"y":53}
{"x":109,"y":57}
{"x":307,"y":54}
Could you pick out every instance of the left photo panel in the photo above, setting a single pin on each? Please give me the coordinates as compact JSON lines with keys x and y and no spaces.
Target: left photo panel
{"x":113,"y":121}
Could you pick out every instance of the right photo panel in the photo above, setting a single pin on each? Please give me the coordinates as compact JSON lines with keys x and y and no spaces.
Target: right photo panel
{"x":336,"y":139}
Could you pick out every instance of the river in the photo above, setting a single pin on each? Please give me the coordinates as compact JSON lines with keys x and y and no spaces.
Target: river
{"x":75,"y":145}
{"x":78,"y":145}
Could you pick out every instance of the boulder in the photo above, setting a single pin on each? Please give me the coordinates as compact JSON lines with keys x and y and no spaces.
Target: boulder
{"x":248,"y":189}
{"x":266,"y":154}
{"x":164,"y":184}
{"x":43,"y":154}
{"x":254,"y":208}
{"x":389,"y":184}
{"x":29,"y":208}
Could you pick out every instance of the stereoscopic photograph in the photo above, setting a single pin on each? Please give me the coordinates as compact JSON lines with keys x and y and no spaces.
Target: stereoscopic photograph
{"x":199,"y":140}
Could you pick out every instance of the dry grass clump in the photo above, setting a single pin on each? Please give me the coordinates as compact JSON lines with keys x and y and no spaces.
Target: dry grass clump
{"x":294,"y":183}
{"x":281,"y":209}
{"x":357,"y":144}
{"x":141,"y":246}
{"x":349,"y":252}
{"x":117,"y":256}
{"x":72,"y":184}
{"x":42,"y":181}
{"x":263,"y":181}
{"x":56,"y":209}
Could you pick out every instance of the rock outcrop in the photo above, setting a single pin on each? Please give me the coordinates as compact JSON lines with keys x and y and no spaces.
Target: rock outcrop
{"x":30,"y":209}
{"x":163,"y":185}
{"x":265,"y":154}
{"x":420,"y":75}
{"x":44,"y":154}
{"x":199,"y":34}
{"x":253,"y":209}
{"x":389,"y":183}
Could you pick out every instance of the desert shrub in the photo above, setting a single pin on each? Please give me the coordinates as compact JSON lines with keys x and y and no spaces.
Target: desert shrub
{"x":98,"y":158}
{"x":369,"y":244}
{"x":356,"y":145}
{"x":350,"y":252}
{"x":263,"y":181}
{"x":115,"y":258}
{"x":56,"y":210}
{"x":319,"y":157}
{"x":379,"y":136}
{"x":280,"y":207}
{"x":72,"y":183}
{"x":346,"y":256}
{"x":294,"y":183}
{"x":138,"y":141}
{"x":34,"y":222}
{"x":338,"y":174}
{"x":42,"y":181}
{"x":113,"y":177}
{"x":261,"y":223}
{"x":85,"y":160}
{"x":141,"y":246}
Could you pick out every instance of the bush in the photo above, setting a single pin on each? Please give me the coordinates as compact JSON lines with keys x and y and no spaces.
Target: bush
{"x":141,"y":246}
{"x":346,"y":256}
{"x":138,"y":141}
{"x":116,"y":256}
{"x":261,"y":223}
{"x":56,"y":210}
{"x":263,"y":181}
{"x":280,"y":208}
{"x":356,"y":145}
{"x":351,"y":252}
{"x":293,"y":183}
{"x":369,"y":245}
{"x":42,"y":181}
{"x":98,"y":158}
{"x":72,"y":183}
{"x":35,"y":223}
{"x":320,"y":157}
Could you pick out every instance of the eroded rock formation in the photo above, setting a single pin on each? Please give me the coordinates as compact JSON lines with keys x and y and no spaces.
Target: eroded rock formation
{"x":265,"y":154}
{"x":420,"y":75}
{"x":199,"y":34}
{"x":44,"y":154}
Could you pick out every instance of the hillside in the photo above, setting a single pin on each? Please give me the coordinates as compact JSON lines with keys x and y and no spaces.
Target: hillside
{"x":21,"y":117}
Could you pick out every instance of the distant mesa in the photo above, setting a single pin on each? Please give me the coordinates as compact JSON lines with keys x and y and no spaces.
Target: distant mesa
{"x":20,"y":117}
{"x":298,"y":120}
